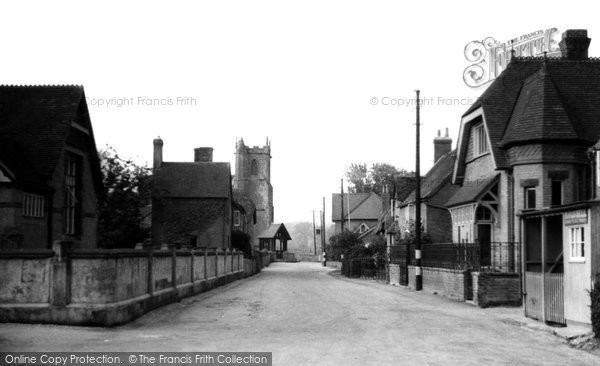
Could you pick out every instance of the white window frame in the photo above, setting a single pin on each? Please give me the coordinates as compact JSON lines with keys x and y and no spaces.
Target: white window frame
{"x":363,"y":228}
{"x":480,"y":143}
{"x":526,"y":197}
{"x":577,"y":244}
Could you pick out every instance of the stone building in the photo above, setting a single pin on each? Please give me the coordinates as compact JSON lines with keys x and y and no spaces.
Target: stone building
{"x":253,"y":179}
{"x":50,"y":175}
{"x":191,"y":201}
{"x":523,"y":165}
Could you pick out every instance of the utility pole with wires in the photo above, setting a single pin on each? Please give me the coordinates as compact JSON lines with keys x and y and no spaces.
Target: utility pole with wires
{"x":314,"y":233}
{"x":418,"y":269}
{"x":323,"y":234}
{"x":342,"y":204}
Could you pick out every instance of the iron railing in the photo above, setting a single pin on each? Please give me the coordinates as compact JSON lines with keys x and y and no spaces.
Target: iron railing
{"x":495,"y":257}
{"x":365,"y":267}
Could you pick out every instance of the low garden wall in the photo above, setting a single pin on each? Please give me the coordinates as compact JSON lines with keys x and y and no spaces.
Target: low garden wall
{"x":450,"y":283}
{"x":493,"y":289}
{"x":109,"y":287}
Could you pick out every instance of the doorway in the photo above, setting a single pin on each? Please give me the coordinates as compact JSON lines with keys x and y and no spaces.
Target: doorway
{"x":484,"y":238}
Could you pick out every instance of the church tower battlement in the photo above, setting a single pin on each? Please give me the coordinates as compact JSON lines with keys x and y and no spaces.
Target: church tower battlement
{"x":253,"y":178}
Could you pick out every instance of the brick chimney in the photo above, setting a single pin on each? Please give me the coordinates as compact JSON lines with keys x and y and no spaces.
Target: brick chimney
{"x":158,"y":156}
{"x":441,"y":146}
{"x":203,"y":155}
{"x":385,"y":198}
{"x":574,"y":44}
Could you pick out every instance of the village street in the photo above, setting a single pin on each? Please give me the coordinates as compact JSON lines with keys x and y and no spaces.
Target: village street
{"x":307,"y":316}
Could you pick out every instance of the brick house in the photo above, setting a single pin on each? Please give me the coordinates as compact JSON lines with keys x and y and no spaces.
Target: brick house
{"x":436,"y":189}
{"x":524,"y":172}
{"x":191,"y":201}
{"x":50,"y":175}
{"x":360,"y":214}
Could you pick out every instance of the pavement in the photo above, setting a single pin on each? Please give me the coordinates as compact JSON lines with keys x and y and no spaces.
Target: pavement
{"x":310,"y":315}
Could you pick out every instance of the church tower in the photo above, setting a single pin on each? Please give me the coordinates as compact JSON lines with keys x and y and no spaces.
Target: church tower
{"x":253,"y":178}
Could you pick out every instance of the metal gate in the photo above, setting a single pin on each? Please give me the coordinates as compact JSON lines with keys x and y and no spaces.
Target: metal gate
{"x":545,"y":301}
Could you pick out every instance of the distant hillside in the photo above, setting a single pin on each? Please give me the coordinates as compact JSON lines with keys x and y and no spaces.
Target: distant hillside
{"x":302,"y":237}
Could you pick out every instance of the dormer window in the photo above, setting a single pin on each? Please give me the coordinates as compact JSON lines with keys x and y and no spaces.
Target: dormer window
{"x":363,"y":228}
{"x":480,"y":145}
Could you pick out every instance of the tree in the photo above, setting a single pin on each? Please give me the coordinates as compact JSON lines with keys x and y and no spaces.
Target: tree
{"x":364,"y":180}
{"x":357,"y":175}
{"x":343,"y":243}
{"x":127,"y":188}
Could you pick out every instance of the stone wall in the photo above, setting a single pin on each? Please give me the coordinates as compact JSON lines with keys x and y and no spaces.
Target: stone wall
{"x":107,"y":287}
{"x":449,"y":283}
{"x":493,"y":289}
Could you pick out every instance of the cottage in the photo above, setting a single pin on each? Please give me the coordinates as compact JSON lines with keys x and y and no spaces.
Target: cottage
{"x":436,"y":188}
{"x":360,"y":214}
{"x":525,"y":175}
{"x":191,"y":201}
{"x":50,"y":176}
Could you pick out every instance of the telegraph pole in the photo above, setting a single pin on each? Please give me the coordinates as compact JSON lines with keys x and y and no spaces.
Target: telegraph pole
{"x":342,"y":203}
{"x":323,"y":235}
{"x":418,"y":269}
{"x":314,"y":233}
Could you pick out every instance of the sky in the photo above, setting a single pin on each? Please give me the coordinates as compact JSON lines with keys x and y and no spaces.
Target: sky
{"x":329,"y":83}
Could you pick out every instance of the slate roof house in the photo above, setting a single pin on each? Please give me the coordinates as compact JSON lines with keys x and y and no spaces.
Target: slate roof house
{"x":50,"y":174}
{"x":362,"y":215}
{"x":525,"y":176}
{"x":436,"y":189}
{"x":192,"y":201}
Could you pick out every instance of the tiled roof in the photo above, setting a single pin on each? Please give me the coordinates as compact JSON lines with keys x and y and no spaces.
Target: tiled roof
{"x":436,"y":177}
{"x":34,"y":125}
{"x":539,"y":113}
{"x":571,"y":85}
{"x":471,"y":191}
{"x":402,"y":187}
{"x":273,"y":229}
{"x":363,"y":206}
{"x":193,"y":180}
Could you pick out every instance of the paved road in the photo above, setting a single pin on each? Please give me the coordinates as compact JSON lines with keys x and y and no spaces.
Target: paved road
{"x":306,"y":316}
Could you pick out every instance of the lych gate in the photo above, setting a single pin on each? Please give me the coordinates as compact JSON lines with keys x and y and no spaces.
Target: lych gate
{"x":275,"y":238}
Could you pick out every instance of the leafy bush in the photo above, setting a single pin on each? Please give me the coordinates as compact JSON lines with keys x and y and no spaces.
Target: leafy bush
{"x":127,"y":188}
{"x":595,"y":307}
{"x":343,"y":243}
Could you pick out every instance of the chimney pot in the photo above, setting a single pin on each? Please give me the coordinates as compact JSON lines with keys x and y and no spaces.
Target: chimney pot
{"x":441,"y":145}
{"x":203,"y":155}
{"x":158,"y":153}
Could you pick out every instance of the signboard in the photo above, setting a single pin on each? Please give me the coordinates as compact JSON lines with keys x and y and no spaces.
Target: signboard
{"x":489,"y":57}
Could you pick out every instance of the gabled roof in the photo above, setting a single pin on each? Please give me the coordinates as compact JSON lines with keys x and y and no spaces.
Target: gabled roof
{"x":35,"y":122}
{"x":193,"y":180}
{"x":472,"y":191}
{"x":272,"y":231}
{"x":363,"y":206}
{"x":439,"y":174}
{"x":573,"y":84}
